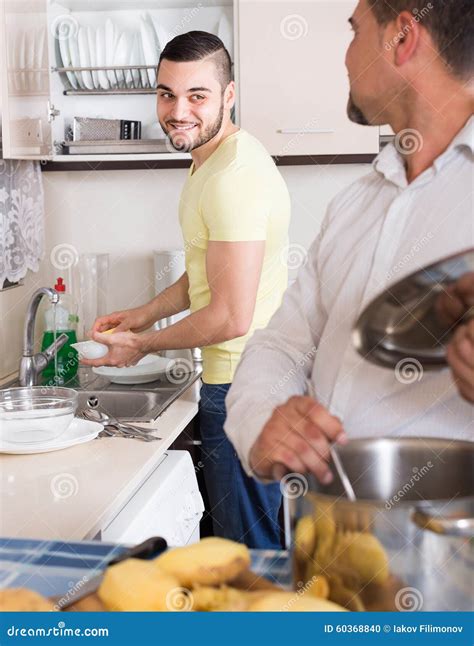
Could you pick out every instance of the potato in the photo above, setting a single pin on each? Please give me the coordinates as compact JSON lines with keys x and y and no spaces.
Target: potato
{"x":223,"y":599}
{"x":212,"y":561}
{"x":318,"y":586}
{"x":325,"y":530}
{"x":136,"y":585}
{"x":340,"y":593}
{"x":305,"y":537}
{"x":364,"y":554}
{"x":23,"y":600}
{"x":292,"y":602}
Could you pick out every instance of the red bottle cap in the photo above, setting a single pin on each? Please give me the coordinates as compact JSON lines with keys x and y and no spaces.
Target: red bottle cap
{"x":60,"y":286}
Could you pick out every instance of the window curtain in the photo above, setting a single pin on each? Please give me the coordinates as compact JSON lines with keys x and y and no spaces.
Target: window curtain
{"x":21,"y":218}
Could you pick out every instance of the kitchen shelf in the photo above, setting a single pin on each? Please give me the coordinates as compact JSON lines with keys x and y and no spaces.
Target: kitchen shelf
{"x":153,"y":162}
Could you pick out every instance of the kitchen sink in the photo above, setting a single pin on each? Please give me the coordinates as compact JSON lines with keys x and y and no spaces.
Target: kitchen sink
{"x":142,"y":406}
{"x":139,"y":403}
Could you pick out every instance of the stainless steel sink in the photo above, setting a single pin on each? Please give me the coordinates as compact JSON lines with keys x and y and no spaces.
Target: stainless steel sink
{"x":129,"y":405}
{"x":139,"y":403}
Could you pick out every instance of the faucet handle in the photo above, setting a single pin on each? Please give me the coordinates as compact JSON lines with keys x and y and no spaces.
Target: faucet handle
{"x":54,"y":348}
{"x":31,"y":366}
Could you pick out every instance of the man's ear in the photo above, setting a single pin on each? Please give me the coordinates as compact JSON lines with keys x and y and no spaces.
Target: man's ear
{"x":408,"y":33}
{"x":229,"y":95}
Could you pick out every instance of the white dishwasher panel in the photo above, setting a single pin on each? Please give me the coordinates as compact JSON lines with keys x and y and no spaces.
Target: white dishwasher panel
{"x":168,"y":504}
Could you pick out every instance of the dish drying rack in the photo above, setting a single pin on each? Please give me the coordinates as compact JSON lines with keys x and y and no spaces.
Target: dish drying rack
{"x":127,"y":79}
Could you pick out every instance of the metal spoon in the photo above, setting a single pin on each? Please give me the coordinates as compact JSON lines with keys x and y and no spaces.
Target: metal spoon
{"x":341,"y":472}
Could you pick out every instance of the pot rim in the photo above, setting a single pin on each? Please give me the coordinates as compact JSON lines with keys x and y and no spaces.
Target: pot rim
{"x":321,"y":490}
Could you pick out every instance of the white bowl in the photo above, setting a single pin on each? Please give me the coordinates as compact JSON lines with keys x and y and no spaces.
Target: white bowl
{"x":90,"y":349}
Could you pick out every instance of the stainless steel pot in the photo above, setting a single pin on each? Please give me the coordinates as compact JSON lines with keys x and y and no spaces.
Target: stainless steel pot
{"x":407,"y":543}
{"x":417,"y":316}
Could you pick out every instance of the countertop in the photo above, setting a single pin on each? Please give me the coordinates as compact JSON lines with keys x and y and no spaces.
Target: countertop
{"x":74,"y":493}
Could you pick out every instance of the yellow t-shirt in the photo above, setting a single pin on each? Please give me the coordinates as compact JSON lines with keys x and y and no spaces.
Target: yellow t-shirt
{"x":237,"y":195}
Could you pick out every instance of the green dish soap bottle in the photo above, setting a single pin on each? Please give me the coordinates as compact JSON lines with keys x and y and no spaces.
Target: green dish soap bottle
{"x":61,"y":319}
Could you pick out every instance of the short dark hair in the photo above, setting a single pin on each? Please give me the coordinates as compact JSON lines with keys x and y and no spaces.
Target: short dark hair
{"x":449,"y":22}
{"x":197,"y":45}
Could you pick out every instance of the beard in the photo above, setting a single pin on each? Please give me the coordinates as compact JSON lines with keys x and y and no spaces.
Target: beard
{"x":355,"y":114}
{"x":184,"y":143}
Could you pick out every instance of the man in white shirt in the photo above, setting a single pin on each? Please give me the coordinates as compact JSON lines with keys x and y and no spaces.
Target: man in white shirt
{"x":413,"y":70}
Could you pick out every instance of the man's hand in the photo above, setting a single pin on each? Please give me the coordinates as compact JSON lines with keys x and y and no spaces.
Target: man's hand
{"x":460,"y":355}
{"x":455,"y":300}
{"x":297,"y":436}
{"x":125,"y":349}
{"x":136,"y":320}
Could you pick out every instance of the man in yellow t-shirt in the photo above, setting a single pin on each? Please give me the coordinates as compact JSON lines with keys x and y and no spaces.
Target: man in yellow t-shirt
{"x":234,"y":213}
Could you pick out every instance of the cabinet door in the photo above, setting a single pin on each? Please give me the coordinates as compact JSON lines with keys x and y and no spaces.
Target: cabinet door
{"x":293,"y":80}
{"x":24,"y":79}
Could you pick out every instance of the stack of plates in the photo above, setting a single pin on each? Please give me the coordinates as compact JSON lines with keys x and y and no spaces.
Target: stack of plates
{"x":107,"y":46}
{"x":28,"y":60}
{"x":78,"y":432}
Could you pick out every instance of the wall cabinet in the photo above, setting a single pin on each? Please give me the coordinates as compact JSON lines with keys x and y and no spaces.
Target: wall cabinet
{"x":288,"y":63}
{"x":292,"y":78}
{"x":42,"y":93}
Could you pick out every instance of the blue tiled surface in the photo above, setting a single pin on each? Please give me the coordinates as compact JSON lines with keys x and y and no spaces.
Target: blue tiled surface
{"x":52,"y":567}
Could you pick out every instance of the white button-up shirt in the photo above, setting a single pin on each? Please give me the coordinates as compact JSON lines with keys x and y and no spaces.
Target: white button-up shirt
{"x":377,"y":231}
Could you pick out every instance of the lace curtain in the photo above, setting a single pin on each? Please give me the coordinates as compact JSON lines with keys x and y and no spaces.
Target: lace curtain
{"x":21,"y":218}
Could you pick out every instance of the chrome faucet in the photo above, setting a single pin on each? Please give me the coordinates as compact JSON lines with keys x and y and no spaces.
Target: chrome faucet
{"x":32,"y":364}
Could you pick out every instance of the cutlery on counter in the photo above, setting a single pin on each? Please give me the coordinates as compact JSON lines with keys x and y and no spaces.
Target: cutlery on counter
{"x":114,"y":431}
{"x":112,"y":426}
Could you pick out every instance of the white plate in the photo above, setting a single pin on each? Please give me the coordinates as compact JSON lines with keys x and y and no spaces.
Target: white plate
{"x":74,"y":56}
{"x":39,"y":56}
{"x":110,"y":44}
{"x":122,"y":56}
{"x":100,"y":55}
{"x":162,"y":35}
{"x":15,"y":62}
{"x":66,"y":60}
{"x":78,"y":432}
{"x":84,"y":57}
{"x":30,"y":59}
{"x":93,"y":55}
{"x":147,"y":369}
{"x":141,"y":59}
{"x":135,"y":58}
{"x":22,"y":59}
{"x":151,"y":48}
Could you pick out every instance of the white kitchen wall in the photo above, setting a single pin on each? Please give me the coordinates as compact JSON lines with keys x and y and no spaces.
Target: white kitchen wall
{"x":129,"y":214}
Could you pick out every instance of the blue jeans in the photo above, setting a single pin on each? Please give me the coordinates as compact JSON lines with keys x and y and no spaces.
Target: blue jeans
{"x":242,"y":509}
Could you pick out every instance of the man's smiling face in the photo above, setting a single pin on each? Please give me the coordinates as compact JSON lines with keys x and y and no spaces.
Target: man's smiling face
{"x":190,"y":102}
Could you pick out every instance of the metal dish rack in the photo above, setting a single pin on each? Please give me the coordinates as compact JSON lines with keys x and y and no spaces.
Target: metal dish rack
{"x":127,"y":79}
